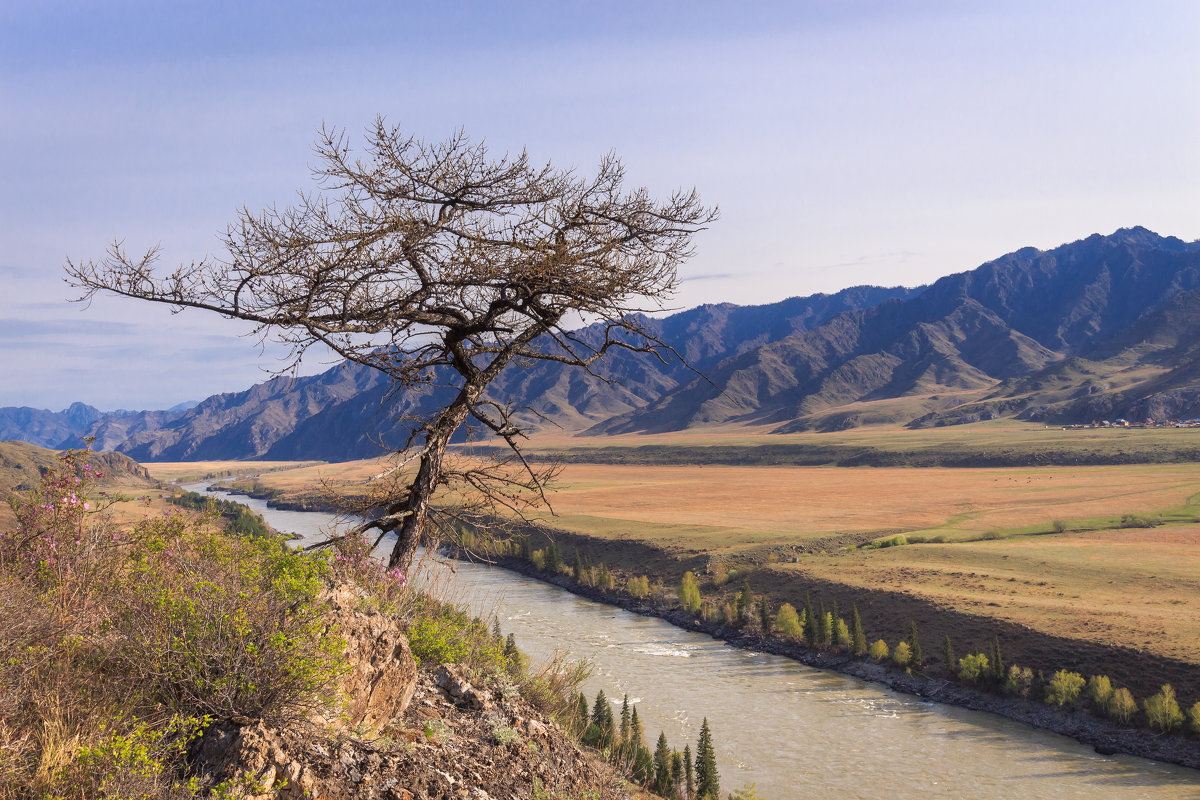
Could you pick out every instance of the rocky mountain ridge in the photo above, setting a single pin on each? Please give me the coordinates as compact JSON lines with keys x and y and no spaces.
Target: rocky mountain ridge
{"x":1095,"y":329}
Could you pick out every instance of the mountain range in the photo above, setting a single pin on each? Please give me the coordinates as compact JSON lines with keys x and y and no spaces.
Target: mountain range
{"x":1104,"y":327}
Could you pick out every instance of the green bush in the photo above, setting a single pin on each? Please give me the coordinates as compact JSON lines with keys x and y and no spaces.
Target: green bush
{"x":1139,"y":521}
{"x":638,"y":586}
{"x":787,"y":622}
{"x":1019,"y":681}
{"x":1194,"y":717}
{"x":689,"y":593}
{"x":973,"y":667}
{"x":1064,"y":688}
{"x":1162,"y":710}
{"x":223,"y":627}
{"x":902,"y":655}
{"x":445,"y":633}
{"x":878,"y":650}
{"x":1100,"y":691}
{"x":1122,"y":706}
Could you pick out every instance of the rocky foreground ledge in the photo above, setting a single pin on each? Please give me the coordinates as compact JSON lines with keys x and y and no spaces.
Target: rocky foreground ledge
{"x":409,"y":733}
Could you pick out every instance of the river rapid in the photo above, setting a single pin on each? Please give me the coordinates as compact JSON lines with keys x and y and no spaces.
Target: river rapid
{"x":792,"y":730}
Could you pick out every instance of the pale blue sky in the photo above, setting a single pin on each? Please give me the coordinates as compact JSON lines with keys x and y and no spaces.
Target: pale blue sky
{"x":845,"y":143}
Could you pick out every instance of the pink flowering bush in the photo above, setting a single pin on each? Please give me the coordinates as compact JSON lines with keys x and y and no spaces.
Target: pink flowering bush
{"x":61,"y":543}
{"x":352,"y":562}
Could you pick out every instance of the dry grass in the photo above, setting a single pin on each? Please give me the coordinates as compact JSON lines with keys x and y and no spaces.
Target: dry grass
{"x":1136,"y":588}
{"x":726,"y":508}
{"x":189,"y":471}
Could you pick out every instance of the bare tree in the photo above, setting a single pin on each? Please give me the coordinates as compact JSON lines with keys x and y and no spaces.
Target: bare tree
{"x":429,"y":260}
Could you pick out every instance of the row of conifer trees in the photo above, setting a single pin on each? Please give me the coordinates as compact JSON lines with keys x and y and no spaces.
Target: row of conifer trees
{"x":826,"y":629}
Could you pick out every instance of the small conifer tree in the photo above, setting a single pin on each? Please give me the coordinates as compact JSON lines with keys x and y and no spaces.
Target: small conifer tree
{"x":581,"y":713}
{"x":689,"y":772}
{"x":676,"y":773}
{"x":643,"y":766}
{"x":948,"y":655}
{"x":625,"y":720}
{"x":513,"y":655}
{"x":997,"y":660}
{"x":916,"y":659}
{"x":765,"y":619}
{"x":1194,"y":717}
{"x":858,"y":637}
{"x":745,"y":603}
{"x":841,"y":633}
{"x":812,"y":626}
{"x":602,"y":719}
{"x":708,"y":782}
{"x":662,"y":766}
{"x":637,"y":737}
{"x":827,"y":629}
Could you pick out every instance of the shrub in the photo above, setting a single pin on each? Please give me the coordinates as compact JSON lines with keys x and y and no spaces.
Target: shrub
{"x":1162,"y":710}
{"x":973,"y":667}
{"x":214,"y":625}
{"x":445,"y":633}
{"x":638,"y":586}
{"x":1139,"y":521}
{"x":135,"y":763}
{"x":1122,"y":706}
{"x":1064,"y":688}
{"x":1100,"y":691}
{"x":689,"y":593}
{"x":902,"y":655}
{"x":1194,"y":717}
{"x":1019,"y":681}
{"x":1059,"y":525}
{"x":787,"y":621}
{"x":878,"y":650}
{"x":352,"y":562}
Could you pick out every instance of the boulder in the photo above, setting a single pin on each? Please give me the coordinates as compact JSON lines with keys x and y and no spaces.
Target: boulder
{"x":382,"y":672}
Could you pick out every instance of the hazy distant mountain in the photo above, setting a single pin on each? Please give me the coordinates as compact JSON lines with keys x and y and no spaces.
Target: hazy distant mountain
{"x":1104,"y":327}
{"x":48,"y":428}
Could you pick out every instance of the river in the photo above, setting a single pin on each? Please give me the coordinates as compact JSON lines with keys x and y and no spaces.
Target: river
{"x":792,"y":730}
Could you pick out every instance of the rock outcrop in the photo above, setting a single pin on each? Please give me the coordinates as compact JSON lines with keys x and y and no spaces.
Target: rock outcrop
{"x":407,"y":734}
{"x":382,"y":671}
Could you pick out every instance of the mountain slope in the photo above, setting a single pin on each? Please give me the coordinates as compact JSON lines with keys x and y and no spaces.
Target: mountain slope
{"x":965,"y":335}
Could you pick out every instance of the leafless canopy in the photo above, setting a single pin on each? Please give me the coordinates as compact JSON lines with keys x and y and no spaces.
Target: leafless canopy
{"x":426,"y":259}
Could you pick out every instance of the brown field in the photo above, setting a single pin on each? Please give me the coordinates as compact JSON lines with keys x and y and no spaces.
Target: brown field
{"x":189,"y":471}
{"x":1138,"y":588}
{"x":726,"y":508}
